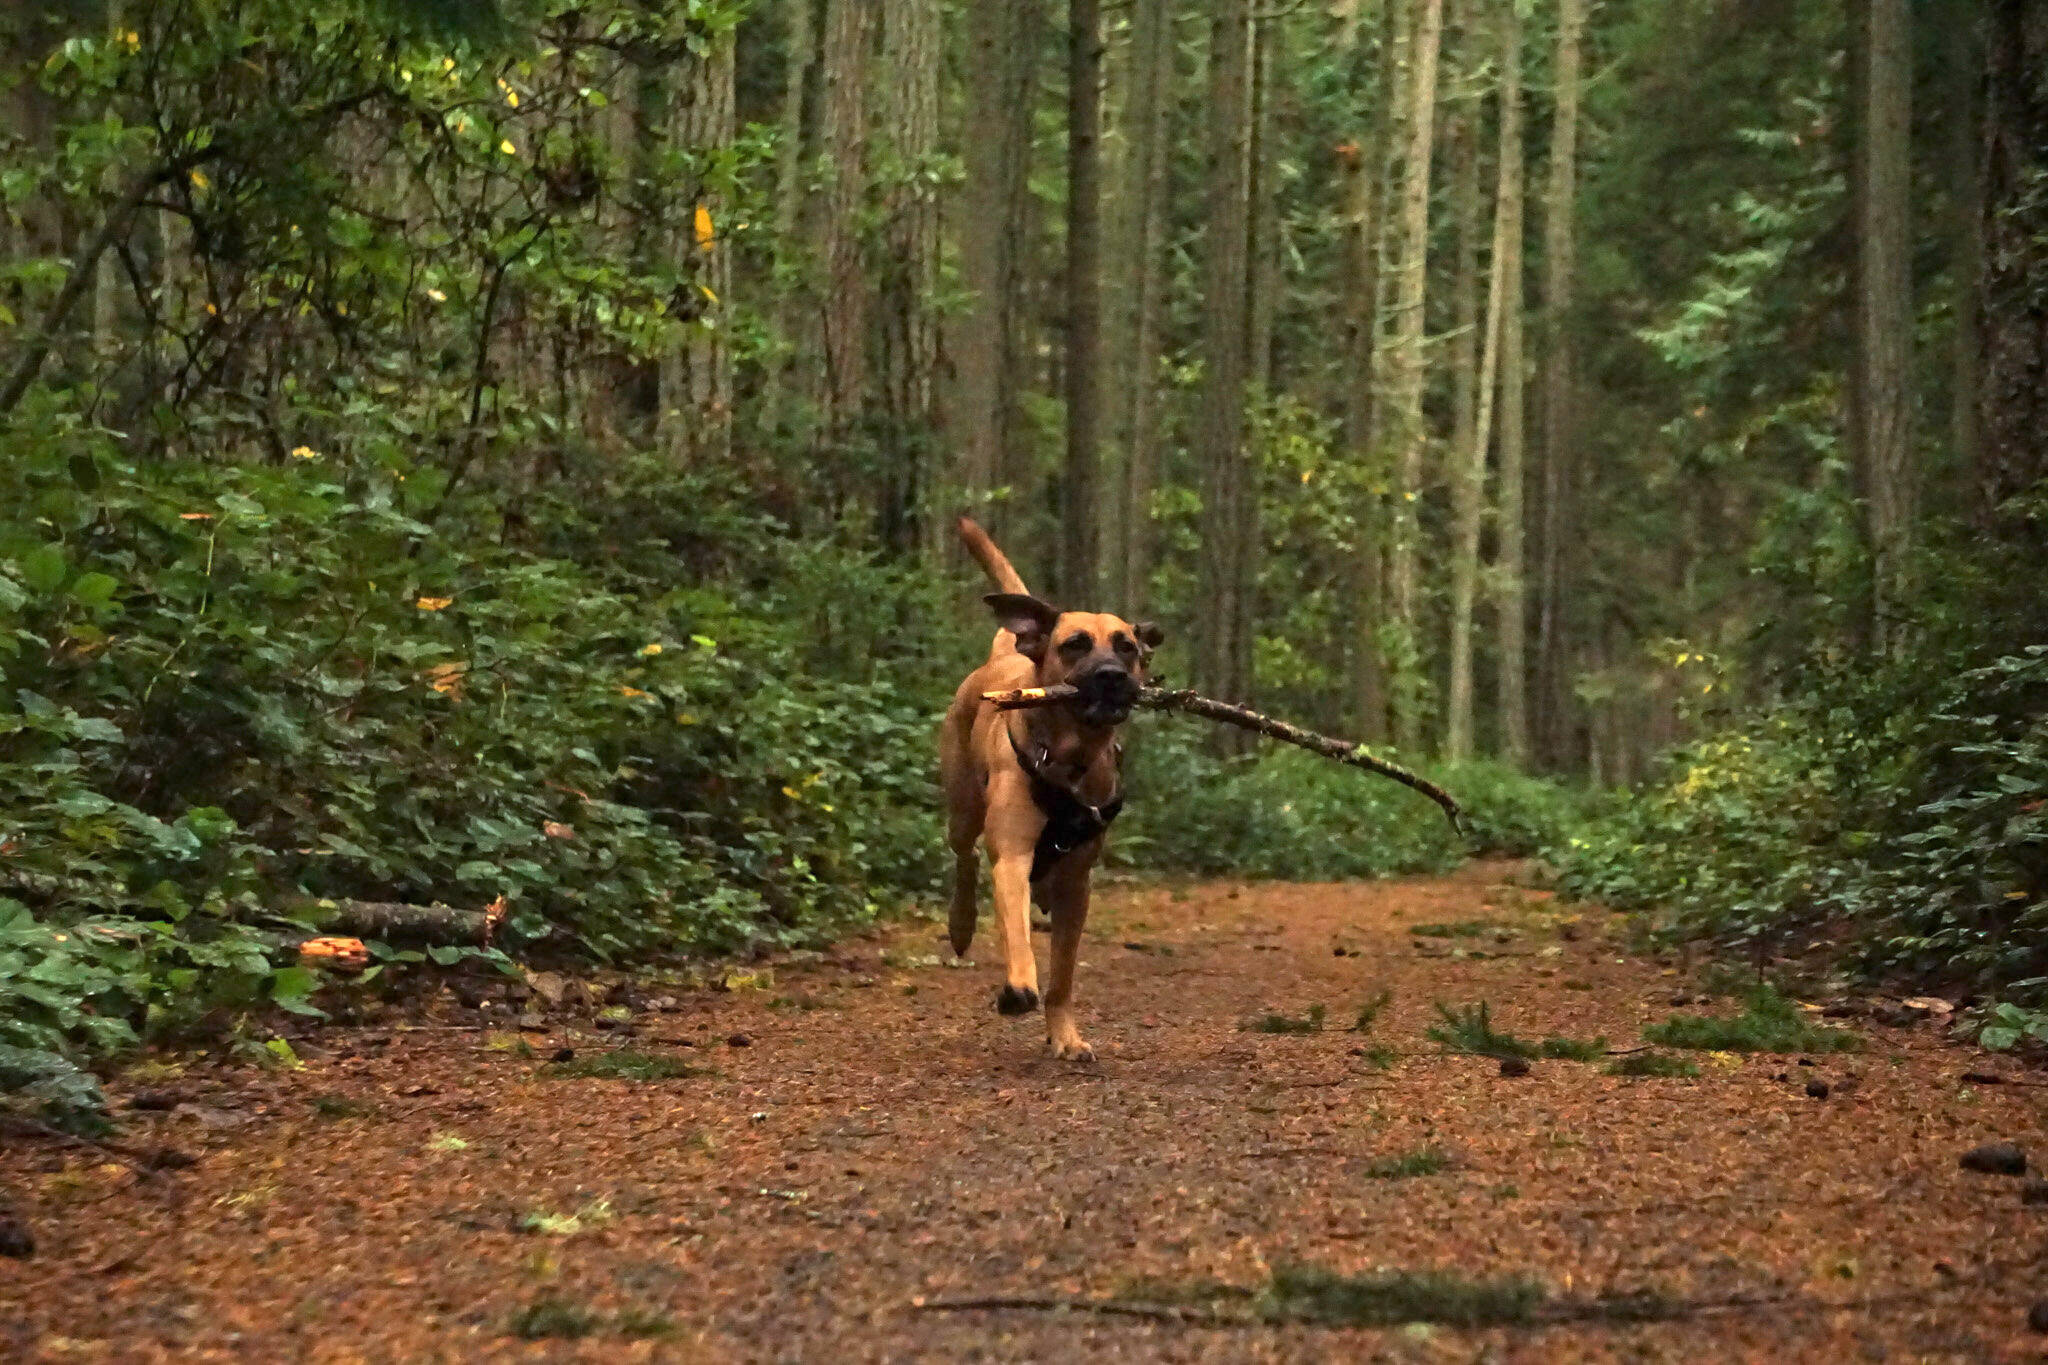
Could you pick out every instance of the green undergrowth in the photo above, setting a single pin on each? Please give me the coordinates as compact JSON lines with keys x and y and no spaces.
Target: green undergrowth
{"x":1423,"y":1161}
{"x":1653,"y":1064}
{"x":1270,"y":1022}
{"x":1284,"y":814}
{"x":1893,"y":815}
{"x":1768,"y":1023}
{"x":1470,"y":1029}
{"x":624,"y":1065}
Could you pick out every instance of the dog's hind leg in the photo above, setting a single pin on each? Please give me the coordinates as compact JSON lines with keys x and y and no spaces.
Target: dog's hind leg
{"x":963,"y":831}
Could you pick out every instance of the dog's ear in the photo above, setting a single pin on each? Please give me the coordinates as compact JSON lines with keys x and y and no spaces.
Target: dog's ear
{"x":1149,"y":635}
{"x":1024,"y":616}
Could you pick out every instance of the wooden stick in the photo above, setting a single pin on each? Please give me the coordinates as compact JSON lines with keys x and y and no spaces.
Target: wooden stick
{"x":1194,"y":704}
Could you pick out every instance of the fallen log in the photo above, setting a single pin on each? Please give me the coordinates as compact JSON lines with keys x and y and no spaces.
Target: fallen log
{"x":435,"y":924}
{"x":1194,"y":704}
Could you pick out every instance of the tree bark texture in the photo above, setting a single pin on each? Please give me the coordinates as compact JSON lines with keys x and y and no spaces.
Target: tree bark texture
{"x":2013,"y":400}
{"x":1560,"y":477}
{"x":1080,"y":482}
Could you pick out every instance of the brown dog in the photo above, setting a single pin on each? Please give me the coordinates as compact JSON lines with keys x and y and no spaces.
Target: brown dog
{"x":1039,"y":787}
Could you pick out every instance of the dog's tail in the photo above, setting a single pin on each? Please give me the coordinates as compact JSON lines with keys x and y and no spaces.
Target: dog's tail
{"x":993,"y":561}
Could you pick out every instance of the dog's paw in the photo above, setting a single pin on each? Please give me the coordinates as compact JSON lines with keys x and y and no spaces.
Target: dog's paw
{"x":1012,"y":1000}
{"x":1074,"y":1050}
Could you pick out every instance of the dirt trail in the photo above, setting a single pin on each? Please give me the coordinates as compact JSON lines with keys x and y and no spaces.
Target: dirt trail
{"x":884,"y":1138}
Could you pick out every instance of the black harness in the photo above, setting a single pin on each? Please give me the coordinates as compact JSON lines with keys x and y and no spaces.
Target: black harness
{"x":1070,"y":819}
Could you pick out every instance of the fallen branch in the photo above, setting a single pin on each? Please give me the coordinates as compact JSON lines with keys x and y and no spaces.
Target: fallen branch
{"x":436,"y":924}
{"x":1194,"y":704}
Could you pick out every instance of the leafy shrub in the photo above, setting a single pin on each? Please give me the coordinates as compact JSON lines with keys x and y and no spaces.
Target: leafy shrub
{"x":1903,"y":816}
{"x":1285,"y":814}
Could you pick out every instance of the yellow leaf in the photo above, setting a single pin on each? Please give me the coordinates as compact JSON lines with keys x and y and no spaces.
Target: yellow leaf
{"x":555,"y":829}
{"x":512,"y":98}
{"x":434,"y":603}
{"x":685,"y":718}
{"x":633,"y":692}
{"x":437,"y":296}
{"x":199,"y":180}
{"x":305,"y":453}
{"x":706,"y":232}
{"x":195,"y":516}
{"x":507,"y":148}
{"x":792,"y":793}
{"x":649,"y":651}
{"x":705,"y":290}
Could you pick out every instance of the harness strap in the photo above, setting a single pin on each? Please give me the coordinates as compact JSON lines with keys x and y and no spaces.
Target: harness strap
{"x":1071,"y":820}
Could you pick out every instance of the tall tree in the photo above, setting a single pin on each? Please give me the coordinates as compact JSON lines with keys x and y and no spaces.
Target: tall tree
{"x":1228,"y":515}
{"x":1560,"y":401}
{"x":844,"y":309}
{"x":1081,"y":495}
{"x":1143,"y":195}
{"x":1369,"y":164}
{"x":695,"y":419}
{"x":909,"y":271}
{"x":1498,"y":363}
{"x":1407,"y":430}
{"x":999,"y":103}
{"x":1880,"y":428}
{"x":1511,"y":598}
{"x":1963,"y":70}
{"x":2013,"y":403}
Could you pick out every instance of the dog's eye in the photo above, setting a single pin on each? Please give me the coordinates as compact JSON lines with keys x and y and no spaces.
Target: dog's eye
{"x":1123,"y":644}
{"x":1078,"y":643}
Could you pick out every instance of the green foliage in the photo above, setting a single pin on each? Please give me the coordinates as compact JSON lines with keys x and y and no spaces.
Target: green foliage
{"x":1768,"y":1023}
{"x":1269,"y":1022}
{"x":1370,"y":1011}
{"x":1573,"y":1049}
{"x":1286,"y":814}
{"x":1423,"y":1161}
{"x":1903,"y":813}
{"x":624,"y":1064}
{"x":1470,"y":1029}
{"x":1653,"y":1064}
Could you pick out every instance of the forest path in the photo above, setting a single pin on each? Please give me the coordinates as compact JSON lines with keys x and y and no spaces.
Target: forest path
{"x":883,"y":1139}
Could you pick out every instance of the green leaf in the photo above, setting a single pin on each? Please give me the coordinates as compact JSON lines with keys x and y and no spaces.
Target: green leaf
{"x":445,"y":954}
{"x":94,"y":589}
{"x":44,"y":568}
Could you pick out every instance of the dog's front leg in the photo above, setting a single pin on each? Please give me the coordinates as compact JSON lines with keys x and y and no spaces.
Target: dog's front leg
{"x":1012,"y":877}
{"x":1066,"y":900}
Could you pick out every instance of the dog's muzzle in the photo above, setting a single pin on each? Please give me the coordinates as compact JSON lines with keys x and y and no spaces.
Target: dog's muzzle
{"x":1106,"y":695}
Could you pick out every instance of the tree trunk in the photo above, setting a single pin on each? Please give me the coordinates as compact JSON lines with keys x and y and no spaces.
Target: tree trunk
{"x":1466,"y":481}
{"x":909,"y":276}
{"x":1001,"y":41}
{"x":2013,"y":399}
{"x":1081,"y":493}
{"x":695,"y":410}
{"x":1510,"y":593}
{"x":1560,"y":402}
{"x":1374,"y":165}
{"x":1220,"y":434}
{"x":1262,"y":279}
{"x":1145,"y":197}
{"x":793,"y":148}
{"x":1883,"y":332}
{"x":1404,"y":400}
{"x":1964,"y":63}
{"x":843,"y":310}
{"x":1503,"y":297}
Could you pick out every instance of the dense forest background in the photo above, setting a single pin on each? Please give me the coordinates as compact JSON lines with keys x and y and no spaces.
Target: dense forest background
{"x":459,"y":452}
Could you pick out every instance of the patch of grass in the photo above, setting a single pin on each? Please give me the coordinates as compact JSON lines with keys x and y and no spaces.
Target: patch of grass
{"x":1390,"y":1298}
{"x":1369,"y":1012}
{"x":1573,"y":1049}
{"x":1654,"y":1064}
{"x":1769,"y":1023}
{"x":1379,"y":1058}
{"x":1464,"y":928}
{"x":624,"y":1064}
{"x":1422,"y":1161}
{"x":340,"y":1107}
{"x":1470,"y":1029}
{"x":1269,"y":1022}
{"x":548,"y":1316}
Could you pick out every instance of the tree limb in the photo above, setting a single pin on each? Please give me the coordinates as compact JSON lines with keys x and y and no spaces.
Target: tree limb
{"x":1194,"y":704}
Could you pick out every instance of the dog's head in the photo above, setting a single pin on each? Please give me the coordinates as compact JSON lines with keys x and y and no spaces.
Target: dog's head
{"x":1102,"y":656}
